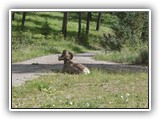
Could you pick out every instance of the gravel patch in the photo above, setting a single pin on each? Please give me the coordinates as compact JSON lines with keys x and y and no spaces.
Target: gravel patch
{"x":33,"y":68}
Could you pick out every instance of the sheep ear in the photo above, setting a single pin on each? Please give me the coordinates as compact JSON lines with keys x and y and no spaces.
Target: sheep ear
{"x":71,"y":55}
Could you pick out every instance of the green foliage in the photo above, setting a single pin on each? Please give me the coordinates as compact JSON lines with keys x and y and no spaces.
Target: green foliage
{"x":84,"y":39}
{"x":21,"y":38}
{"x":39,"y":48}
{"x":142,"y":57}
{"x":133,"y":55}
{"x":145,"y":31}
{"x":130,"y":26}
{"x":46,"y":29}
{"x":42,"y":34}
{"x":110,"y":43}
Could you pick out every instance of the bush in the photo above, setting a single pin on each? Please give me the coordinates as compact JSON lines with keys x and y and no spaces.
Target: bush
{"x":21,"y":38}
{"x":132,"y":27}
{"x":110,"y":43}
{"x":143,"y":57}
{"x":46,"y":29}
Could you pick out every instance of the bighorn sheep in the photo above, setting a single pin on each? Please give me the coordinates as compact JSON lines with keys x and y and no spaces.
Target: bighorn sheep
{"x":69,"y":66}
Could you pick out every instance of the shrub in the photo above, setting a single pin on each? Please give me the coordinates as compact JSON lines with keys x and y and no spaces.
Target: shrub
{"x":143,"y":57}
{"x":110,"y":43}
{"x":46,"y":29}
{"x":132,"y":26}
{"x":21,"y":38}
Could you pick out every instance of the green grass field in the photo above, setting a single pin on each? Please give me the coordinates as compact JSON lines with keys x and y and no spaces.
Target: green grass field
{"x":33,"y":42}
{"x":100,"y":89}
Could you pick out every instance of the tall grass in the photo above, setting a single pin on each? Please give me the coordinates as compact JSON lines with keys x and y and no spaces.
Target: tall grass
{"x":44,"y":48}
{"x":132,"y":55}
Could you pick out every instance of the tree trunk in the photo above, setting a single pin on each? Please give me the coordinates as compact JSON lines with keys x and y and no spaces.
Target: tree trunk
{"x":64,"y":26}
{"x":90,"y":17}
{"x":23,"y":19}
{"x":13,"y":14}
{"x":98,"y":21}
{"x":88,"y":20}
{"x":79,"y":24}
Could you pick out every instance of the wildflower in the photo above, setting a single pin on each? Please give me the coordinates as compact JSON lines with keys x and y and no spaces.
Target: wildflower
{"x":71,"y":103}
{"x":122,"y":97}
{"x":110,"y":102}
{"x":51,"y":82}
{"x":87,"y":104}
{"x":127,"y":94}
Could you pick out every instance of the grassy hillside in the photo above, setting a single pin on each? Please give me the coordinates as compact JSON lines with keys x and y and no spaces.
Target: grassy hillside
{"x":42,"y":35}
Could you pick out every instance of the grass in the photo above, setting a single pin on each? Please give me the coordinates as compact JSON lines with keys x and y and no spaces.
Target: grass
{"x":42,"y":35}
{"x":100,"y":89}
{"x":131,"y":55}
{"x":32,"y":51}
{"x":122,"y":56}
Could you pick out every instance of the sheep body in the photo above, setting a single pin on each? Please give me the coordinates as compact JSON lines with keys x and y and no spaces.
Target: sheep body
{"x":70,"y":67}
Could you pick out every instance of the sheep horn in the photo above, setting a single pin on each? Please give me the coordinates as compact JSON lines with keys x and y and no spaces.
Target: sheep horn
{"x":71,"y":55}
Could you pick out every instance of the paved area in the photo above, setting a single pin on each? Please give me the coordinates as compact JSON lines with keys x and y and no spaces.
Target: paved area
{"x":30,"y":69}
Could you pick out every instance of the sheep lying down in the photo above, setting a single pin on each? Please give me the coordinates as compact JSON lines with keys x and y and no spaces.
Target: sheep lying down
{"x":71,"y":67}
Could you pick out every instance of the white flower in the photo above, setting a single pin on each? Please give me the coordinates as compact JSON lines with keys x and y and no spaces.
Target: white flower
{"x":110,"y":102}
{"x":71,"y":103}
{"x":127,"y":94}
{"x":122,"y":96}
{"x":87,"y":104}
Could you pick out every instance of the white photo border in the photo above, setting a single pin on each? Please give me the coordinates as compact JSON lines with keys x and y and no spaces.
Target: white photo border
{"x":77,"y":109}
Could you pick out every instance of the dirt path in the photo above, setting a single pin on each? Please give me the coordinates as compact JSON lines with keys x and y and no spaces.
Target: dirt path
{"x":30,"y":69}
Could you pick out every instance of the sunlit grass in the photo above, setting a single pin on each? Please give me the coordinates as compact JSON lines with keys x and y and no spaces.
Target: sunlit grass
{"x":100,"y":89}
{"x":33,"y":38}
{"x":32,"y":51}
{"x":129,"y":55}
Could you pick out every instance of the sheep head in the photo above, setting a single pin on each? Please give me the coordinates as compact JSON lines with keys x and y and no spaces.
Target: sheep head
{"x":65,"y":56}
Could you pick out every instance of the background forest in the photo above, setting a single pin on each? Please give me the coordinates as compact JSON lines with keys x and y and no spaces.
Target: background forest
{"x":120,"y":36}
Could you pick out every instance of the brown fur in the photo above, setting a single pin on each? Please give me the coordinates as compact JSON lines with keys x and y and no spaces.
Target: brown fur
{"x":69,"y":66}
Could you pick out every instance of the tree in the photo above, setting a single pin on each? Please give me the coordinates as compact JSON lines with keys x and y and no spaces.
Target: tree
{"x":88,"y":21}
{"x":90,"y":17}
{"x":145,"y":29}
{"x":132,"y":26}
{"x":64,"y":24}
{"x":98,"y":21}
{"x":23,"y":19}
{"x":79,"y":24}
{"x":13,"y":14}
